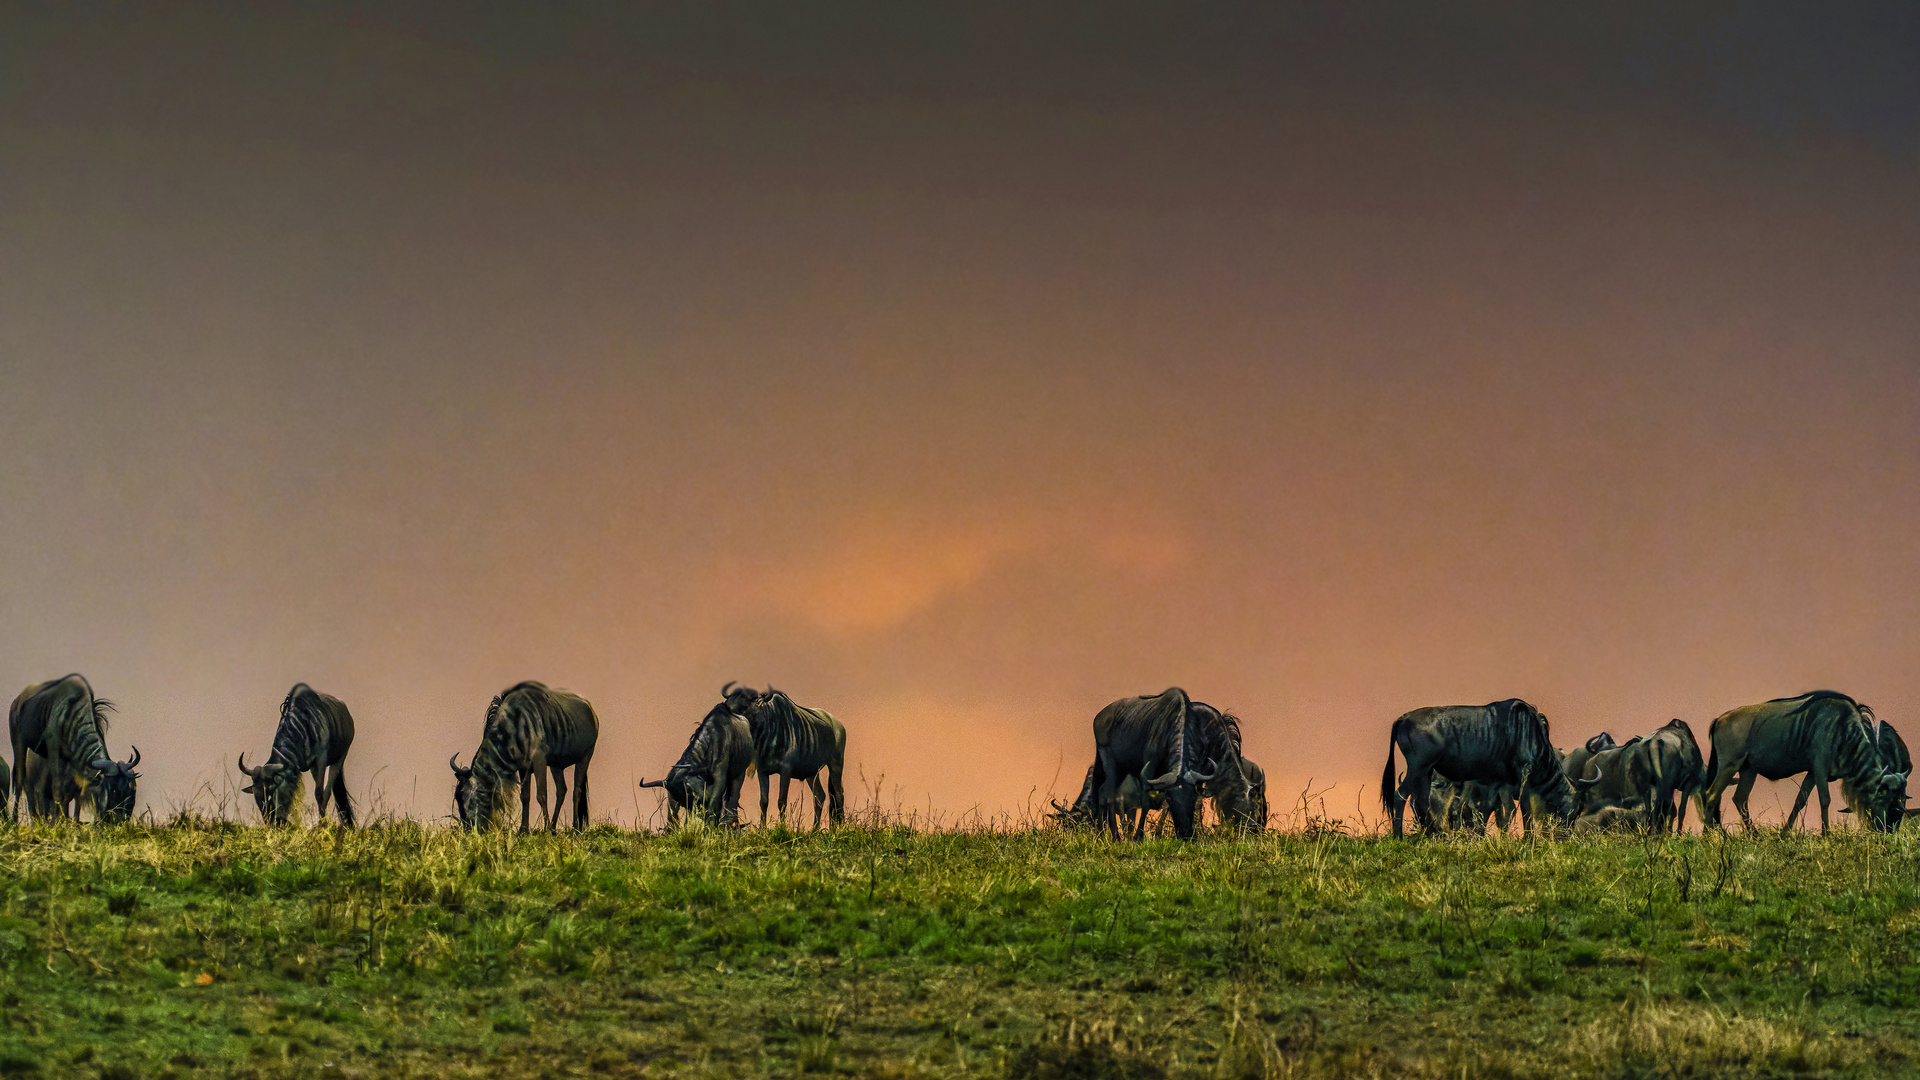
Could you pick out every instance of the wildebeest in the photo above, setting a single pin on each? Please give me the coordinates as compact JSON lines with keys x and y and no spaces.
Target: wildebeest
{"x":795,"y":743}
{"x":48,"y":796}
{"x":706,"y":781}
{"x":1166,"y":739}
{"x":530,"y":731}
{"x":63,"y":723}
{"x":1505,"y":742}
{"x":1238,"y":792}
{"x":1630,"y":818}
{"x":1893,"y":754}
{"x":1084,"y":810}
{"x":1645,"y":773}
{"x":314,"y":734}
{"x":1822,"y":734}
{"x":1574,"y":762}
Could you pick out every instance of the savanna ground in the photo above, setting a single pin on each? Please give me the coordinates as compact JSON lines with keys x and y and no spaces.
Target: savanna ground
{"x":200,"y":946}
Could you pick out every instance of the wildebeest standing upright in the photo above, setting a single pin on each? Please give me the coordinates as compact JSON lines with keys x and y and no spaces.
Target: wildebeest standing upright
{"x":530,"y":730}
{"x":314,"y":734}
{"x":63,"y":723}
{"x":706,"y":780}
{"x":1159,"y":737}
{"x":1505,"y":742}
{"x":795,"y":743}
{"x":1822,"y":734}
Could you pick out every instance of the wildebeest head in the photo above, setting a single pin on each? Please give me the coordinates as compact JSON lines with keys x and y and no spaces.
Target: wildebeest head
{"x":739,"y":698}
{"x":275,"y":789}
{"x":686,"y":790}
{"x":1885,"y":798}
{"x":462,"y":789}
{"x":1181,"y":788}
{"x":113,"y":790}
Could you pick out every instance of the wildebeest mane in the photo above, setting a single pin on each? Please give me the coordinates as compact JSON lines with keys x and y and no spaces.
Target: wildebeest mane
{"x":1216,"y":735}
{"x":702,"y":747}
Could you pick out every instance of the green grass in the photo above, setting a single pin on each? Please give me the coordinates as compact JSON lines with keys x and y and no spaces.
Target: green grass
{"x":204,"y":947}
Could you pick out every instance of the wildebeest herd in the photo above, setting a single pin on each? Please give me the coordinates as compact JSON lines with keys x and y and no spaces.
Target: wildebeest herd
{"x":1159,"y":752}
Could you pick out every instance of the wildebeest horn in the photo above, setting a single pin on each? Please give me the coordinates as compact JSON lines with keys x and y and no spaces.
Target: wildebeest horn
{"x":1195,"y":778}
{"x":727,"y":689}
{"x":454,"y":761}
{"x":1162,"y":783}
{"x":243,"y":763}
{"x":101,"y":766}
{"x":1058,"y":809}
{"x":1597,"y":775}
{"x":653,"y":783}
{"x":136,"y":758}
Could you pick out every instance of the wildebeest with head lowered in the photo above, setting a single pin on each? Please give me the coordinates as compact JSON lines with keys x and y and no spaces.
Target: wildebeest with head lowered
{"x":706,"y":781}
{"x":314,"y":734}
{"x":530,"y":731}
{"x":1173,"y":742}
{"x":63,"y":723}
{"x":1505,"y":742}
{"x":1894,"y":756}
{"x":1823,"y":734}
{"x":795,"y":743}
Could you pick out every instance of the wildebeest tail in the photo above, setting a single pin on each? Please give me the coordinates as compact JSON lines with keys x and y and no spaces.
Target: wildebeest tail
{"x":1387,"y":797}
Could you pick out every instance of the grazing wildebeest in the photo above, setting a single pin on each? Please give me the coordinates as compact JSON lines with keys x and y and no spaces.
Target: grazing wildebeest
{"x":1506,"y":742}
{"x":1085,"y":808}
{"x":1162,"y":737}
{"x":114,"y":794}
{"x":1238,"y":792}
{"x":530,"y":731}
{"x":1822,"y":734}
{"x":63,"y":723}
{"x":1893,"y":752}
{"x":313,"y":736}
{"x":706,"y":781}
{"x":1257,"y":812}
{"x":795,"y":743}
{"x":1894,"y":758}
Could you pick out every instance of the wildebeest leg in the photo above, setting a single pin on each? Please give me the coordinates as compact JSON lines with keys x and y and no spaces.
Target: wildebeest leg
{"x":1740,"y":792}
{"x":784,"y":781}
{"x":1422,"y":784}
{"x":1799,"y":803}
{"x":319,"y":775}
{"x":342,"y":806}
{"x":526,"y":793}
{"x":763,"y":799}
{"x":559,"y":798}
{"x":1104,"y":800}
{"x":19,"y":774}
{"x":1824,"y":800}
{"x":580,"y":791}
{"x":836,"y":796}
{"x":1711,"y":795}
{"x":819,"y":799}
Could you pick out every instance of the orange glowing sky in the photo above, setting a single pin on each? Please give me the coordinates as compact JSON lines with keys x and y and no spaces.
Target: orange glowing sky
{"x":957,"y":375}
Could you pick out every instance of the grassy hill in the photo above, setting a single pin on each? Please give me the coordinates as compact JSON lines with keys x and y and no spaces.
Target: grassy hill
{"x":208,"y":948}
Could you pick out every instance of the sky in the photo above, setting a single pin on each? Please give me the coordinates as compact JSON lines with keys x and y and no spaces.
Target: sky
{"x":957,"y":372}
